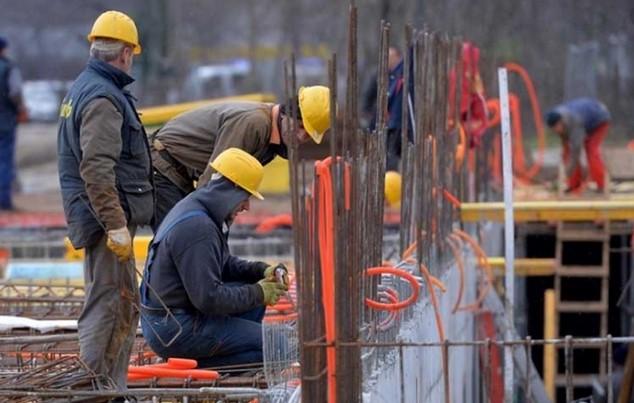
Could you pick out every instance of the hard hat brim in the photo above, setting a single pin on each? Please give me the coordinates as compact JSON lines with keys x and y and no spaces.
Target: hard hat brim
{"x":314,"y":134}
{"x":255,"y":194}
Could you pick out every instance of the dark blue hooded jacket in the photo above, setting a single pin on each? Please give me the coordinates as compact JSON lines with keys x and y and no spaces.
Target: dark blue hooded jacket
{"x":192,"y":262}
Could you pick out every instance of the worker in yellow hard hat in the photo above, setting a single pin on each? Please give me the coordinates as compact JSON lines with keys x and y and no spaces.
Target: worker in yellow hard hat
{"x":184,"y":146}
{"x":216,"y":298}
{"x":105,"y":176}
{"x":393,"y":188}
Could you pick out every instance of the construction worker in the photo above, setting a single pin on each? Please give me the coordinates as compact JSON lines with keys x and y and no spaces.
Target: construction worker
{"x":183,"y":148}
{"x":106,"y":183}
{"x":11,"y":108}
{"x":394,"y":106}
{"x":216,"y":299}
{"x":581,"y":122}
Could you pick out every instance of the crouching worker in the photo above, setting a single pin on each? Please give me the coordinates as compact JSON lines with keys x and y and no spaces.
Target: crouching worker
{"x":218,"y":299}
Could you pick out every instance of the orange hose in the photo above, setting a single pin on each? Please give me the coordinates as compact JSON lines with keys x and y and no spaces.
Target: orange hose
{"x":280,"y":318}
{"x":374,"y":271}
{"x":174,"y":373}
{"x":484,"y":261}
{"x":522,"y":173}
{"x":537,"y":117}
{"x":460,"y":263}
{"x":325,"y":229}
{"x":271,"y":223}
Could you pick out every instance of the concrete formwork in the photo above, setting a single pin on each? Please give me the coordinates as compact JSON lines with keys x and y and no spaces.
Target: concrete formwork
{"x":418,"y":376}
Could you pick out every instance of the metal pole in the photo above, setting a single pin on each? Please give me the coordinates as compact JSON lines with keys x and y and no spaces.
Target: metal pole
{"x":509,"y":242}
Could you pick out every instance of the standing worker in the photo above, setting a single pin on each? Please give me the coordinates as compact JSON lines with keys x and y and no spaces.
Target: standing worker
{"x":184,"y":147}
{"x":11,"y":111}
{"x":217,"y":299}
{"x":581,"y":122}
{"x":106,"y":182}
{"x":394,"y":107}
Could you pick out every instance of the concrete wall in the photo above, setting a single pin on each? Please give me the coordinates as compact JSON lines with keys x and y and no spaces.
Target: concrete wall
{"x":421,"y":377}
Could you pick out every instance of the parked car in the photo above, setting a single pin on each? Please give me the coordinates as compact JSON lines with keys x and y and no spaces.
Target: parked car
{"x":43,"y":98}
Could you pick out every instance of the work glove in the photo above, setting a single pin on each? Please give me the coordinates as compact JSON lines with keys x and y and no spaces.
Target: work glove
{"x":272,"y":291}
{"x":278,"y":273}
{"x":120,"y":243}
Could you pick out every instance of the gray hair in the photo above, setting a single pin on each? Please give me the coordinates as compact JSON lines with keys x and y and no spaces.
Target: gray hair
{"x":106,"y":49}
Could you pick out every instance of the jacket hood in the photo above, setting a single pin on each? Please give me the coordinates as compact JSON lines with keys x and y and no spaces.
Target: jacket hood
{"x":219,"y":197}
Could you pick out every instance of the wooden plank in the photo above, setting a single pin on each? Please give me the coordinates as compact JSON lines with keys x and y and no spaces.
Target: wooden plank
{"x":563,"y":210}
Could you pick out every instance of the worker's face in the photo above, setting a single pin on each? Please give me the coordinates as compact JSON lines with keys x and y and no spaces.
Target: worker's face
{"x":560,"y":128}
{"x":393,"y":58}
{"x":242,"y":206}
{"x":301,"y":136}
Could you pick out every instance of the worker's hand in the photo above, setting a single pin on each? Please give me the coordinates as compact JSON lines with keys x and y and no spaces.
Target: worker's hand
{"x":272,"y":291}
{"x":120,"y":243}
{"x":278,"y":273}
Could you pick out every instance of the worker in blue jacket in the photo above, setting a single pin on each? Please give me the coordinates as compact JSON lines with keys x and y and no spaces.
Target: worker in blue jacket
{"x":192,"y":282}
{"x":581,"y":123}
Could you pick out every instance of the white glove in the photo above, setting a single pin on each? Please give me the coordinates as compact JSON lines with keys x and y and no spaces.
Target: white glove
{"x":120,"y":242}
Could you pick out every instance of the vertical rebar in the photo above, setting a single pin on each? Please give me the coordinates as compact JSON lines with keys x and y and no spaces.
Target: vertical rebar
{"x":609,"y":366}
{"x":529,"y":367}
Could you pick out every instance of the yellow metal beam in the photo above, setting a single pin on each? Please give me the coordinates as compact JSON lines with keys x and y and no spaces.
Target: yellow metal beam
{"x":550,"y":353}
{"x":157,"y":115}
{"x":562,"y":210}
{"x":524,"y":266}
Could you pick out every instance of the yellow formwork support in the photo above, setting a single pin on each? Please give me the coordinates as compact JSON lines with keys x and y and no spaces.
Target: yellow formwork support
{"x":140,"y":246}
{"x":524,"y":266}
{"x":550,"y":353}
{"x":561,"y":210}
{"x":157,"y":115}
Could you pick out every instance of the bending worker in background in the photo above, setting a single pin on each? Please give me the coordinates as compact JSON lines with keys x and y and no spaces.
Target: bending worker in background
{"x":184,"y":147}
{"x":218,"y":299}
{"x":106,"y":181}
{"x":582,"y":122}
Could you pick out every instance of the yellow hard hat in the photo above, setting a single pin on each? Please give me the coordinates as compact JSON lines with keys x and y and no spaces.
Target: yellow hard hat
{"x":393,"y":188}
{"x":116,"y":25}
{"x":241,"y":168}
{"x":314,"y":104}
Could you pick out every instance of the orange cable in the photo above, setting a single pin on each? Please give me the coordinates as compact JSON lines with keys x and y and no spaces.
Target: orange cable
{"x":484,"y":261}
{"x":439,"y":323}
{"x":374,"y":271}
{"x":460,"y":263}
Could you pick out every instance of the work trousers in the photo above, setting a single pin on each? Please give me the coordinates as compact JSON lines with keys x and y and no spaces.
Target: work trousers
{"x":592,"y":145}
{"x":7,"y":166}
{"x":393,"y":148}
{"x":167,"y":195}
{"x":212,"y":340}
{"x":110,"y":316}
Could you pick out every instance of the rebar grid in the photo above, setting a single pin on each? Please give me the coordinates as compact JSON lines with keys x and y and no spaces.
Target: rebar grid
{"x":39,"y":300}
{"x":355,"y":230}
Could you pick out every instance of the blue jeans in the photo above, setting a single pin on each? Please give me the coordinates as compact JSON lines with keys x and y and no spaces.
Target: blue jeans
{"x":7,"y":166}
{"x":213,"y":340}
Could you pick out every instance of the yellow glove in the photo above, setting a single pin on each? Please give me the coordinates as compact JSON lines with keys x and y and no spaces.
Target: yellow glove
{"x":272,"y":291}
{"x":120,"y":243}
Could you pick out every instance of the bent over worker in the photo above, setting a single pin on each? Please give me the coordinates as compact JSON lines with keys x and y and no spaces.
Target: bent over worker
{"x":581,"y":122}
{"x":184,"y":147}
{"x":105,"y":177}
{"x":216,"y":298}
